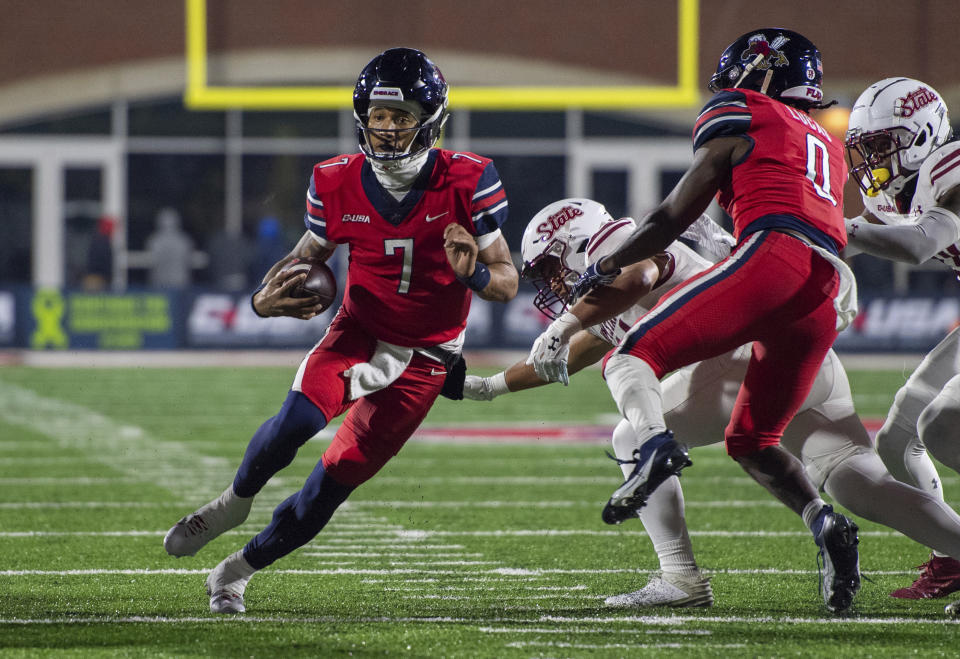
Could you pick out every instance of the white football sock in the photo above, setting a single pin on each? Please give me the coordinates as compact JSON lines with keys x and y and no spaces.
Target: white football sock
{"x":663,"y":518}
{"x":811,"y":511}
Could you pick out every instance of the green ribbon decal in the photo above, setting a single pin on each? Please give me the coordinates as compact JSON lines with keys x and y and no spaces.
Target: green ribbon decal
{"x":48,"y":311}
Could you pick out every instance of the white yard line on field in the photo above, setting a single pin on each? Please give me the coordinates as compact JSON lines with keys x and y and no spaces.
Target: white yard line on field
{"x":522,"y":623}
{"x":624,"y":646}
{"x":497,"y":571}
{"x":374,"y":533}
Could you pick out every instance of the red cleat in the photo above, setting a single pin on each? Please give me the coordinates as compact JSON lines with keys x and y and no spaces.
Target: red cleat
{"x":939,"y":577}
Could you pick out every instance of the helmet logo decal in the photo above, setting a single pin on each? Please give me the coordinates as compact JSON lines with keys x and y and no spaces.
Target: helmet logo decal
{"x":770,"y":52}
{"x":553,"y":223}
{"x":918,"y":98}
{"x":386,"y":94}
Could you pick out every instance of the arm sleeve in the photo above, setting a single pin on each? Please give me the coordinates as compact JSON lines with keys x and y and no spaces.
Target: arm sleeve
{"x":916,"y":243}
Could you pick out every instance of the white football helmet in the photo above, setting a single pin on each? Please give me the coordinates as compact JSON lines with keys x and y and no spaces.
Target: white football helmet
{"x":554,"y":249}
{"x":894,"y":125}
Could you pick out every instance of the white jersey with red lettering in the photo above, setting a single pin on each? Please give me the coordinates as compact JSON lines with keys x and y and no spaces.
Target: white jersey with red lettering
{"x":682,"y":264}
{"x":939,"y":174}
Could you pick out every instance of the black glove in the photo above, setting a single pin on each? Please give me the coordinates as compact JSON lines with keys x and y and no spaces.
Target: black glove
{"x":456,"y":375}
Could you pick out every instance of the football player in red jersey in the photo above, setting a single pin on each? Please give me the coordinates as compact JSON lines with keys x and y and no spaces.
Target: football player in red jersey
{"x":423,"y":229}
{"x":780,"y":175}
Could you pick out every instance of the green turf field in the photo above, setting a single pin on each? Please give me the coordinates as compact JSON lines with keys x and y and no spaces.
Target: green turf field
{"x":457,"y":549}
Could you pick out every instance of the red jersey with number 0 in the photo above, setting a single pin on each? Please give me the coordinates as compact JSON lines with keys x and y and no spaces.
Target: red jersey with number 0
{"x":794,"y":167}
{"x":400,"y":285}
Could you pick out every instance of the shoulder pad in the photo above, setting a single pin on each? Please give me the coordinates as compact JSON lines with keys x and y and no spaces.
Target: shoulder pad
{"x":327,"y":175}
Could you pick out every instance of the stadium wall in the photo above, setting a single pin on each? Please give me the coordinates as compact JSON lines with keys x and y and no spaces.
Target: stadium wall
{"x":53,"y":320}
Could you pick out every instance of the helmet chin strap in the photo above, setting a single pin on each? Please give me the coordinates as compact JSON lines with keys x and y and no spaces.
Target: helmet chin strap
{"x":766,"y":81}
{"x":754,"y":63}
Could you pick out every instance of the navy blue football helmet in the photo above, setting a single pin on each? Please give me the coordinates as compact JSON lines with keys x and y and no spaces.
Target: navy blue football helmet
{"x":780,"y":63}
{"x":403,"y":78}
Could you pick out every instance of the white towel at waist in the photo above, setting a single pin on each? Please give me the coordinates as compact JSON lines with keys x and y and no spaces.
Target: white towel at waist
{"x":846,"y":300}
{"x":385,"y":366}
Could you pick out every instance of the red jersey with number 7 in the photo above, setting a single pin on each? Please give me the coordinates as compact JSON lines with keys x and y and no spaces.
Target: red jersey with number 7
{"x":794,"y":167}
{"x":400,"y":286}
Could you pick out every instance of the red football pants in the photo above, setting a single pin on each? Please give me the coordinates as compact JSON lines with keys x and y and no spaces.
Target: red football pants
{"x":376,"y":426}
{"x":772,"y":290}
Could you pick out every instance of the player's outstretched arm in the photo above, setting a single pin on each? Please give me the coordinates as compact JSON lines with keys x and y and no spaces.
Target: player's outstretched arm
{"x":549,"y":353}
{"x":935,"y":230}
{"x":685,"y":203}
{"x":489,"y":272}
{"x":585,"y":349}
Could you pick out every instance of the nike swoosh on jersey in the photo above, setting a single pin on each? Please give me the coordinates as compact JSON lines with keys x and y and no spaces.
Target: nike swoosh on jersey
{"x":434,"y":371}
{"x":434,"y":217}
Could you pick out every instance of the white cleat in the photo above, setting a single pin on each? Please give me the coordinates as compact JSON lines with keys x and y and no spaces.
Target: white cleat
{"x":667,"y":589}
{"x":227,"y":582}
{"x":191,"y":533}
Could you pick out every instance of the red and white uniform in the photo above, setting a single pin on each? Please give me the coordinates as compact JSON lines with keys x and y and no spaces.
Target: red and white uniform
{"x":937,"y":377}
{"x":784,"y":196}
{"x":683,"y":263}
{"x":939,"y":173}
{"x":400,"y":290}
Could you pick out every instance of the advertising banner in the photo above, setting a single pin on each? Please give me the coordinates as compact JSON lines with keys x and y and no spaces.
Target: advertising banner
{"x":50,"y":319}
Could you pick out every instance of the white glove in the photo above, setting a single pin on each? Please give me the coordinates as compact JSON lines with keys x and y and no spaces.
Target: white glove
{"x":549,"y":352}
{"x":477,"y":388}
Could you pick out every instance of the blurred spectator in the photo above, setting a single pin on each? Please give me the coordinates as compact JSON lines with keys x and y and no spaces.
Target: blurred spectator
{"x":271,"y":247}
{"x":230,"y":256}
{"x":170,"y":250}
{"x":99,"y":270}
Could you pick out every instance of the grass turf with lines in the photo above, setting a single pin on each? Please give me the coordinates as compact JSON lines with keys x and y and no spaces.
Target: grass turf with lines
{"x":464,"y":549}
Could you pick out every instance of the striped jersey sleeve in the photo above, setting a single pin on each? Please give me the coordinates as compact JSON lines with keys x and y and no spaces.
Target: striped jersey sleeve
{"x":726,"y":115}
{"x":944,"y":170}
{"x":488,"y":208}
{"x":608,"y":237}
{"x":314,"y":218}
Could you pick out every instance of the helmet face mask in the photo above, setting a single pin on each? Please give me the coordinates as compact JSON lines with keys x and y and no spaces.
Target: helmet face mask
{"x":874,"y":158}
{"x":390,"y":143}
{"x":402,"y":78}
{"x":894,"y":125}
{"x":780,"y":63}
{"x":553,"y":280}
{"x":554,"y":247}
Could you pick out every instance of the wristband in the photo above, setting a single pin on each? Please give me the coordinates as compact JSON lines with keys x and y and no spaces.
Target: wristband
{"x":253,"y":295}
{"x":498,"y":384}
{"x":566,"y":325}
{"x":479,"y":279}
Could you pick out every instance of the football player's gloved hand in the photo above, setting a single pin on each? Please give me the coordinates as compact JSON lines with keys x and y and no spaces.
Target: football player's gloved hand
{"x":477,"y":388}
{"x":549,"y":352}
{"x":590,"y":279}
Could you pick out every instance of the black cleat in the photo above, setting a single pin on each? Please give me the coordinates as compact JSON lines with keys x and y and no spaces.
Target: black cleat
{"x":659,"y":458}
{"x":840,"y":578}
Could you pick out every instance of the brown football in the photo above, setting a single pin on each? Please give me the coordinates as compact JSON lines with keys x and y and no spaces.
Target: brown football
{"x":320,"y":281}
